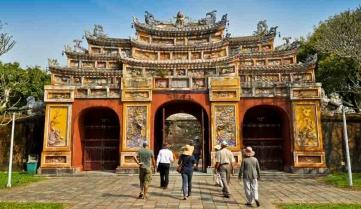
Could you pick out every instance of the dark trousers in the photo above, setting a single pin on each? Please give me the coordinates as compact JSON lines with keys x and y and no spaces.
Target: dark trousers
{"x":187,"y":183}
{"x":164,"y":174}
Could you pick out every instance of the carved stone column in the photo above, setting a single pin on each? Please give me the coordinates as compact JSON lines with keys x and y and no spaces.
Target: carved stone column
{"x":308,"y":150}
{"x":136,"y":97}
{"x":56,"y":154}
{"x":224,"y":94}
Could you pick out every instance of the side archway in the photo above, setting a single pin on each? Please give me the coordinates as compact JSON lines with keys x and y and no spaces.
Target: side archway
{"x":266,"y":129}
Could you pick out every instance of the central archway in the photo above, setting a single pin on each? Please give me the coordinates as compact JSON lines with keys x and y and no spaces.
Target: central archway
{"x":163,"y":119}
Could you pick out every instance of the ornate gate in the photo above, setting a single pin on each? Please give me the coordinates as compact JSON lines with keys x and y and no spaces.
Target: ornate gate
{"x":101,"y":140}
{"x":262,"y":130}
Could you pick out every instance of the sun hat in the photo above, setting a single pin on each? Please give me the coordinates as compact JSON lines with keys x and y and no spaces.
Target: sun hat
{"x":249,"y":152}
{"x":224,"y":144}
{"x":217,"y":147}
{"x":187,"y":150}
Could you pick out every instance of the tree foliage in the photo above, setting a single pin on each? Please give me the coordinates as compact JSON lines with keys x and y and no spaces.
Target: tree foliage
{"x":6,"y":41}
{"x":16,"y":84}
{"x":338,"y":43}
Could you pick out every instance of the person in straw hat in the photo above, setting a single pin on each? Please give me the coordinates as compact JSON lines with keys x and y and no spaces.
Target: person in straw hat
{"x":224,"y":165}
{"x":216,"y":175}
{"x":250,"y":172}
{"x":187,"y":161}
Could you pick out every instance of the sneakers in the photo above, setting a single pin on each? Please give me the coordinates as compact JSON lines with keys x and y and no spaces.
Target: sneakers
{"x":257,"y":203}
{"x":184,"y":198}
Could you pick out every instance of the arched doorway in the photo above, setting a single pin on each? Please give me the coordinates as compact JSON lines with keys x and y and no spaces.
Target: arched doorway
{"x":180,"y":123}
{"x":266,"y":130}
{"x":100,"y":139}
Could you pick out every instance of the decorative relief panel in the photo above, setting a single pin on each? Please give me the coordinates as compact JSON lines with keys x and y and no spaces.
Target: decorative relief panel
{"x":133,"y":72}
{"x":180,"y":72}
{"x":307,"y":159}
{"x":264,"y":92}
{"x":198,"y":83}
{"x":306,"y":93}
{"x":306,"y":126}
{"x":246,"y":92}
{"x":144,"y":55}
{"x":98,"y":93}
{"x":267,"y":78}
{"x":225,"y":124}
{"x":164,"y":56}
{"x":274,"y":62}
{"x":57,"y":128}
{"x":95,"y":81}
{"x":247,"y":63}
{"x":224,"y":82}
{"x":136,"y":95}
{"x":180,"y":83}
{"x":214,"y":54}
{"x":114,"y":93}
{"x":136,"y":125}
{"x":301,"y":77}
{"x":55,"y":159}
{"x":196,"y":72}
{"x":196,"y":55}
{"x":60,"y":79}
{"x":180,"y":55}
{"x":58,"y":94}
{"x":227,"y":70}
{"x":81,"y":93}
{"x":161,"y":83}
{"x":136,"y":83}
{"x":225,"y":95}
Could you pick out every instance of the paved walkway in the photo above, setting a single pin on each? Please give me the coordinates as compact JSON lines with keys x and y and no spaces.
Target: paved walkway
{"x":112,"y":191}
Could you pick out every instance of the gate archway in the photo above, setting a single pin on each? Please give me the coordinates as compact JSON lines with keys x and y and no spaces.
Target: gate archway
{"x":100,"y":139}
{"x":266,"y":130}
{"x":191,"y":108}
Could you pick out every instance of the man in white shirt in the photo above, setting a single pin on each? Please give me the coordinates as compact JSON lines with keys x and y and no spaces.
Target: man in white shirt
{"x":165,"y":157}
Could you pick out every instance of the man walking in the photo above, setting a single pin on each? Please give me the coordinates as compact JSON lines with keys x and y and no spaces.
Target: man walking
{"x":144,"y":158}
{"x":164,"y":159}
{"x":224,"y":165}
{"x":250,"y":172}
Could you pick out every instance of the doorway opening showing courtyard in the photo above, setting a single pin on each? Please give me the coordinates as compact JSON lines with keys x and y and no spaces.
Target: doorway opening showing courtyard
{"x":100,"y":139}
{"x":266,"y":130}
{"x":183,"y":122}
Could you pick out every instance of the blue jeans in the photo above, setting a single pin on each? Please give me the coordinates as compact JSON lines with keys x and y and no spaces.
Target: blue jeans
{"x":187,"y":183}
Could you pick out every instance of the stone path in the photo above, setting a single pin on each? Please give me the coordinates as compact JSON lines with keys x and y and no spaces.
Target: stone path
{"x":112,"y":191}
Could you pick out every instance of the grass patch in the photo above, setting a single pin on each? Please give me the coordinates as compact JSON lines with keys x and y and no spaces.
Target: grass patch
{"x":319,"y":206}
{"x":18,"y":178}
{"x":341,"y":180}
{"x":15,"y":205}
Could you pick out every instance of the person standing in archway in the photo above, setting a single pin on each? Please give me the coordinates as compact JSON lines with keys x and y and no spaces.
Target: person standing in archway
{"x":250,"y":172}
{"x":164,"y":159}
{"x":144,"y":159}
{"x":224,"y":165}
{"x":187,"y":161}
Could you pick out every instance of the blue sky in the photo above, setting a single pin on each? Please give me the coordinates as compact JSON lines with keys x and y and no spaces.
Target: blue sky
{"x":42,"y":28}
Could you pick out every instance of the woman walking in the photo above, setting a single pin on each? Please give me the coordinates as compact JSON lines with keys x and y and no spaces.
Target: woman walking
{"x":187,"y":161}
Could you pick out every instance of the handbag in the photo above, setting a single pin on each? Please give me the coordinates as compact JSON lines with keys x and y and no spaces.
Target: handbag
{"x":179,"y":167}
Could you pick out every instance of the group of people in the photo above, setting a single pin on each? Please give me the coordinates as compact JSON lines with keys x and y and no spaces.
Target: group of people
{"x":249,"y":171}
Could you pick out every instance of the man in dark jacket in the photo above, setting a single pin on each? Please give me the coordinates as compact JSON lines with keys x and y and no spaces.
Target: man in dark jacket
{"x":250,"y":172}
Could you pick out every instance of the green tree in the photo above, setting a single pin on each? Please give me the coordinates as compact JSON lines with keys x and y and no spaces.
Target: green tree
{"x":16,"y":84}
{"x":338,"y":44}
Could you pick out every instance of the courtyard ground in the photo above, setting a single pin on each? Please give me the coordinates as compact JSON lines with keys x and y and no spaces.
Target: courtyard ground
{"x":91,"y":191}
